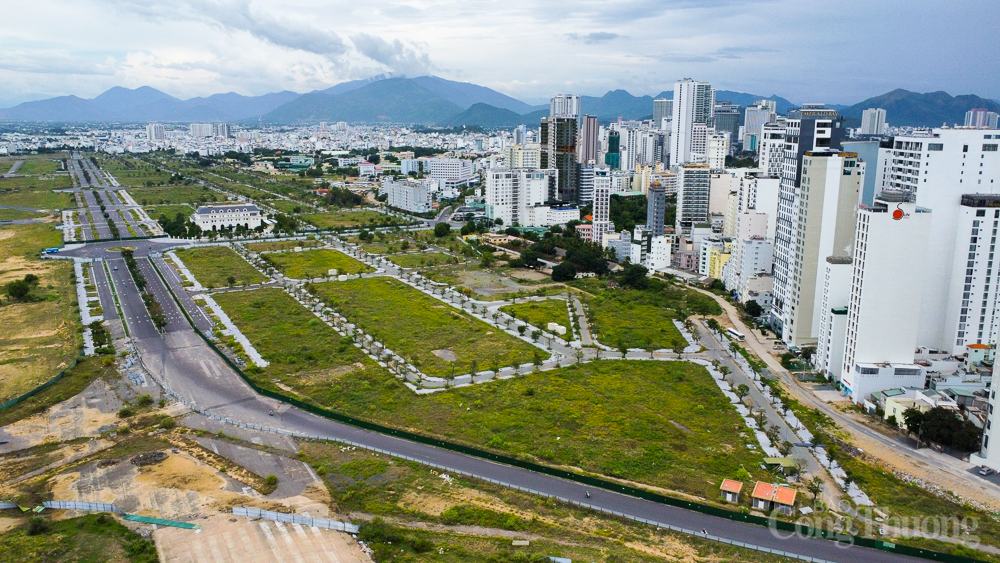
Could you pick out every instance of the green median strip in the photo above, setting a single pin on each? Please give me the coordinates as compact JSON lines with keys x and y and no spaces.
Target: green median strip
{"x":114,"y":294}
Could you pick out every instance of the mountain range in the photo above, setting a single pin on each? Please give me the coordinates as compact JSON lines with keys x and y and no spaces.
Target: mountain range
{"x":430,"y":100}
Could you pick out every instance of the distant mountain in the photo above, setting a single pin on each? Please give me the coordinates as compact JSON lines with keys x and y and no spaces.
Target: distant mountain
{"x":905,"y":108}
{"x":345,"y":87}
{"x":62,"y":108}
{"x":741,"y":99}
{"x":617,"y":103}
{"x":465,"y":95}
{"x":399,"y":100}
{"x":485,"y":115}
{"x":119,"y":98}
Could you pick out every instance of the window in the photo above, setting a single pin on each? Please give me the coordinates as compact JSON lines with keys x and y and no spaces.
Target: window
{"x":990,"y":147}
{"x":935,"y":146}
{"x":965,"y":148}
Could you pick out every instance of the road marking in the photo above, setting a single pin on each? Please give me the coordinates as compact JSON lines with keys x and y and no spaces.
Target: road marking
{"x":214,"y":545}
{"x":300,"y":531}
{"x":270,"y":540}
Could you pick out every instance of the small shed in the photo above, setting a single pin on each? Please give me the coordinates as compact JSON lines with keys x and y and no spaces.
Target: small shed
{"x":768,"y":497}
{"x":787,"y":465}
{"x":731,"y":490}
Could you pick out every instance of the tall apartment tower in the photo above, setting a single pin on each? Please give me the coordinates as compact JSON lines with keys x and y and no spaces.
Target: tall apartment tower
{"x":201,"y":130}
{"x":156,"y":132}
{"x":520,"y":135}
{"x":613,"y":157}
{"x":558,"y":144}
{"x":726,"y":118}
{"x":873,"y":121}
{"x":601,"y":213}
{"x":811,"y":128}
{"x":693,"y":103}
{"x":510,"y":192}
{"x":565,"y":105}
{"x":662,"y":109}
{"x":943,"y":169}
{"x":981,"y":118}
{"x":753,"y":123}
{"x":587,"y":146}
{"x":656,"y":208}
{"x":828,"y":203}
{"x":220,"y":130}
{"x":693,"y":190}
{"x":887,"y":292}
{"x":990,"y":456}
{"x":972,"y":298}
{"x":771,"y":148}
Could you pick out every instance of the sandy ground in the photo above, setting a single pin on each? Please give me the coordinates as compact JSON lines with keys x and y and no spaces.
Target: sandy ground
{"x":84,"y":415}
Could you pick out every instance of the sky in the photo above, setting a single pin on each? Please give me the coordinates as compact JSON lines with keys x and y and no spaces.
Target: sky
{"x":834,"y":52}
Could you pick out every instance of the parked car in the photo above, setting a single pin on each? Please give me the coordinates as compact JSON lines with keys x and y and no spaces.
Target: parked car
{"x":986,"y":471}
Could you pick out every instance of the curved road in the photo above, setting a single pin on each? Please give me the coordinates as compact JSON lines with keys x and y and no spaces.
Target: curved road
{"x":180,"y":360}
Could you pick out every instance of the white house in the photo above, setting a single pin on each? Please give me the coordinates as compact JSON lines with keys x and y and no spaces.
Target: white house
{"x":215,"y":217}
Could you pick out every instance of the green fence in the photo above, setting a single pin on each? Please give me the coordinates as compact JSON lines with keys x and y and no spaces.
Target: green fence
{"x":40,"y":388}
{"x":568,"y":475}
{"x":118,"y":239}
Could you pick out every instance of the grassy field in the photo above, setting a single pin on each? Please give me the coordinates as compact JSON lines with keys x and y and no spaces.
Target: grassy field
{"x":40,"y":335}
{"x":305,"y":354}
{"x":422,"y":259}
{"x":30,"y":192}
{"x":415,"y":325}
{"x":310,"y":264}
{"x":281,"y":245}
{"x":170,"y":211}
{"x":177,"y":194}
{"x":11,"y":214}
{"x":40,"y":166}
{"x":540,"y":314}
{"x":342,"y":219}
{"x":640,"y":318}
{"x":134,"y":172}
{"x":94,"y":538}
{"x":285,"y":206}
{"x":213,"y":265}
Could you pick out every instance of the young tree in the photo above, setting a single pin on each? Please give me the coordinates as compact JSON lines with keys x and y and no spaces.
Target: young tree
{"x":579,"y":355}
{"x":742,"y":390}
{"x":815,"y":486}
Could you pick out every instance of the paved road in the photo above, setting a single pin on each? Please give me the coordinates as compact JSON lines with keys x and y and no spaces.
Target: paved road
{"x":181,"y":360}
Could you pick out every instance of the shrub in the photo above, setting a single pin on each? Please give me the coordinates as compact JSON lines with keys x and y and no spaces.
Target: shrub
{"x":271,"y":480}
{"x":144,"y":400}
{"x":125,"y":412}
{"x":37,"y":525}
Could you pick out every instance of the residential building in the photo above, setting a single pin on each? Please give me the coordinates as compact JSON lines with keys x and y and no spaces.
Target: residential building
{"x":663,"y":109}
{"x":716,"y":150}
{"x":565,"y":105}
{"x":754,"y":118}
{"x":829,"y":356}
{"x":201,"y":130}
{"x":769,"y":497}
{"x":215,"y":217}
{"x":156,"y":132}
{"x":450,"y":172}
{"x":656,"y":207}
{"x":726,"y":119}
{"x":543,"y":215}
{"x":587,"y":145}
{"x":522,"y":156}
{"x":873,"y":121}
{"x":221,"y":130}
{"x":825,"y":225}
{"x":771,"y":148}
{"x":812,"y":127}
{"x":989,"y":454}
{"x":660,"y":254}
{"x":971,"y":300}
{"x":558,"y":142}
{"x":693,"y":103}
{"x":601,"y":212}
{"x":613,"y":157}
{"x":887,"y":295}
{"x":868,"y":152}
{"x":511,"y":192}
{"x":981,"y":119}
{"x":693,"y":190}
{"x":415,"y":196}
{"x":585,"y":194}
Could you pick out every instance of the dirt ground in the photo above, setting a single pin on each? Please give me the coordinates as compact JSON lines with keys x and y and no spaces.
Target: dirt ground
{"x":86,"y":414}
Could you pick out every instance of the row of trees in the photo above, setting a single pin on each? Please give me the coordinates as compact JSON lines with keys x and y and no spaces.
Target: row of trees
{"x":156,"y":313}
{"x":941,"y":426}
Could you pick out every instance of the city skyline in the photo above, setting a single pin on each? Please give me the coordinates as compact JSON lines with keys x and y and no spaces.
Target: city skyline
{"x":201,"y":48}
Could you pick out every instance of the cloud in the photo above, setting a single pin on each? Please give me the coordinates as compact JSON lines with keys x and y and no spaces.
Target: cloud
{"x":393,"y":55}
{"x":53,"y":62}
{"x":593,"y":38}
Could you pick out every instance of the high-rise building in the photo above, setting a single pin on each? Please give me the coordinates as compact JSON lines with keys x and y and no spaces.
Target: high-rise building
{"x":585,"y":194}
{"x":693,"y":103}
{"x":656,"y":208}
{"x":520,"y":134}
{"x":972,"y":298}
{"x":565,"y":105}
{"x":812,"y":127}
{"x":156,"y":132}
{"x":587,"y":146}
{"x":868,"y":153}
{"x":981,"y":118}
{"x":887,"y":292}
{"x":220,"y":130}
{"x":771,"y":148}
{"x":693,"y":191}
{"x":942,"y":168}
{"x":726,"y":118}
{"x":558,"y":144}
{"x":772,"y":105}
{"x":663,"y":108}
{"x":827,"y":205}
{"x":201,"y":130}
{"x":873,"y":121}
{"x":601,"y":213}
{"x":990,"y":456}
{"x":754,"y":119}
{"x":521,"y":156}
{"x":834,"y":306}
{"x":717,"y":149}
{"x":512,"y":192}
{"x":613,"y":157}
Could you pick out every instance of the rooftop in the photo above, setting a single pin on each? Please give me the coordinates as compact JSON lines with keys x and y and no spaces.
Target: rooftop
{"x":731,"y":486}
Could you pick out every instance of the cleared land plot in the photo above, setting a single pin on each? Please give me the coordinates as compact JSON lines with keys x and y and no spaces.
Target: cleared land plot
{"x":170,"y":211}
{"x":421,"y":328}
{"x":41,"y":183}
{"x":317,"y":263}
{"x":133,"y":172}
{"x":39,"y":337}
{"x":641,"y":318}
{"x":305,"y":354}
{"x":213,"y":265}
{"x":93,"y":538}
{"x":11,"y":214}
{"x":192,"y":195}
{"x":416,"y":260}
{"x":540,"y":314}
{"x":35,"y":193}
{"x":39,"y":166}
{"x":281,"y":245}
{"x":487,"y":284}
{"x":350,"y":219}
{"x":285,"y":206}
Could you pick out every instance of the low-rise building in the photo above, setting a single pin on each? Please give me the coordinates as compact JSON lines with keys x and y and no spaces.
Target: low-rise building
{"x":731,"y":490}
{"x":768,"y":497}
{"x":215,"y":217}
{"x":409,"y":195}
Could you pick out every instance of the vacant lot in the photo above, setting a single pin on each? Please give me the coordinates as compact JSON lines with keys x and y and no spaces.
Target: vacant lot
{"x":170,"y":211}
{"x":435,"y":337}
{"x":11,"y":214}
{"x":350,"y":219}
{"x":541,"y":313}
{"x":95,"y":538}
{"x":286,"y":206}
{"x":193,"y":195}
{"x":305,"y":354}
{"x":422,"y":259}
{"x":641,"y":318}
{"x":134,"y":172}
{"x":40,"y":166}
{"x":39,"y":336}
{"x":281,"y":245}
{"x":317,"y":263}
{"x":212,"y":266}
{"x":35,"y":193}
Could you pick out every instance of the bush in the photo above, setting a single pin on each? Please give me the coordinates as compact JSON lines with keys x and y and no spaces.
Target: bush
{"x":144,"y":400}
{"x":271,"y":480}
{"x":37,"y":525}
{"x":564,"y":272}
{"x":442,"y":229}
{"x":167,"y":423}
{"x":125,"y":412}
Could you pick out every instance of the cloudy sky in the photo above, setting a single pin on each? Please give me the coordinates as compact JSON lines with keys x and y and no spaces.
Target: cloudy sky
{"x":835,"y":52}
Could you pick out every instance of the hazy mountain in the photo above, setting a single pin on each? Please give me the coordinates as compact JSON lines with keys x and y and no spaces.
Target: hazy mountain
{"x":740,"y":98}
{"x":345,"y":87}
{"x":617,"y":103}
{"x":932,"y":109}
{"x":118,"y":98}
{"x":62,"y":108}
{"x":465,"y":95}
{"x":398,"y":100}
{"x":485,"y":115}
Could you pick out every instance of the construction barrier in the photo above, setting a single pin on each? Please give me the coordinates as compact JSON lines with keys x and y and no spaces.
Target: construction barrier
{"x":295,"y":519}
{"x":40,"y":388}
{"x":161,"y":522}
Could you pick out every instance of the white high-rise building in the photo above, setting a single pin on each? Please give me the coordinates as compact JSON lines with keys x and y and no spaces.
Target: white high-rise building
{"x":601,"y":213}
{"x":663,"y":109}
{"x":873,"y":121}
{"x":693,"y":103}
{"x":511,"y":192}
{"x":940,"y":168}
{"x":156,"y":132}
{"x":754,"y":118}
{"x":201,"y":130}
{"x":415,"y":196}
{"x":989,"y":454}
{"x":771,"y":148}
{"x":810,"y":128}
{"x":972,"y":296}
{"x":887,"y":292}
{"x":693,"y":194}
{"x":829,"y":357}
{"x":565,"y":105}
{"x":220,"y":130}
{"x":717,"y":150}
{"x":981,"y":118}
{"x":827,"y":205}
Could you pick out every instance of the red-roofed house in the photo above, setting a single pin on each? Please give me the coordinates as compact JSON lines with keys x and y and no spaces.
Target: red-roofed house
{"x":731,"y":490}
{"x":768,"y":497}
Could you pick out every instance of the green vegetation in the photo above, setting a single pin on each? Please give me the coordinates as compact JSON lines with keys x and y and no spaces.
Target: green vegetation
{"x":351,"y":219}
{"x":286,"y":206}
{"x":281,"y":245}
{"x":94,"y":538}
{"x":75,"y":380}
{"x":317,"y":263}
{"x":12,"y":214}
{"x":305,"y":354}
{"x":415,"y":326}
{"x":170,"y":210}
{"x":192,"y":195}
{"x":39,"y":166}
{"x":219,"y":266}
{"x":35,"y":193}
{"x":641,"y":318}
{"x":541,"y":313}
{"x":422,"y":259}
